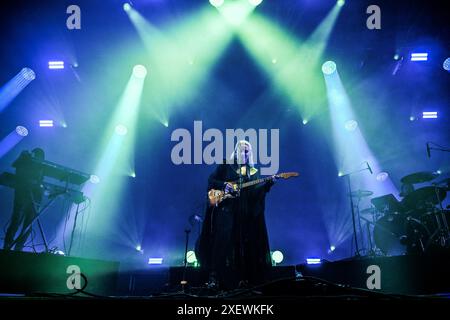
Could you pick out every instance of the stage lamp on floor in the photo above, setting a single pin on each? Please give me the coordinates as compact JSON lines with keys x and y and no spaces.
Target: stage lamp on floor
{"x":277,"y":257}
{"x":155,"y":261}
{"x":419,"y":56}
{"x":191,"y":259}
{"x":313,"y":261}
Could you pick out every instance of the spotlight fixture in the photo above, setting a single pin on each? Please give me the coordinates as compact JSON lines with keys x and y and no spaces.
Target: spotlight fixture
{"x":56,"y":65}
{"x":429,"y":115}
{"x":255,"y":2}
{"x":446,"y":64}
{"x":155,"y":260}
{"x":139,"y":71}
{"x":22,"y":131}
{"x":121,"y":130}
{"x":382,"y":176}
{"x":94,"y":179}
{"x":126,"y":7}
{"x":313,"y":261}
{"x":28,"y":74}
{"x":329,"y":67}
{"x":351,"y":125}
{"x":340,"y":3}
{"x":277,"y":256}
{"x":419,"y":56}
{"x":190,"y":257}
{"x":45,"y":123}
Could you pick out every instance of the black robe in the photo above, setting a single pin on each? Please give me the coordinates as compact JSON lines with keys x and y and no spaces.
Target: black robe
{"x":233,"y":243}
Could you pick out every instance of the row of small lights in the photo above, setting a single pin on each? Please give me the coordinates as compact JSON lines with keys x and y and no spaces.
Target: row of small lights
{"x":191,"y":259}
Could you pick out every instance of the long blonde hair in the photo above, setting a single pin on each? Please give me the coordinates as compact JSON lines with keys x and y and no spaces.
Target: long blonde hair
{"x":234,"y":158}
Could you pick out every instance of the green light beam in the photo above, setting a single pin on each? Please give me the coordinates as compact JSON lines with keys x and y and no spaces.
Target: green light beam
{"x":291,"y":64}
{"x":180,"y":57}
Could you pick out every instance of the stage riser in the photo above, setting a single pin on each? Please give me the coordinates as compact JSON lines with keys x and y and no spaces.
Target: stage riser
{"x":25,"y":273}
{"x":157,"y":280}
{"x":402,"y":274}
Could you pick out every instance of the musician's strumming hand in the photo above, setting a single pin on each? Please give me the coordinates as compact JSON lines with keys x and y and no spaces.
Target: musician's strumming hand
{"x":229,"y":187}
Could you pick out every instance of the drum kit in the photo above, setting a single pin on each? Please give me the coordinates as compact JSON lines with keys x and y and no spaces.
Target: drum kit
{"x":416,"y":224}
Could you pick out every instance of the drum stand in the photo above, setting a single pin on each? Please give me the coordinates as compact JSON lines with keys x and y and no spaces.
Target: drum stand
{"x":352,"y":206}
{"x":371,"y":252}
{"x":442,"y":230}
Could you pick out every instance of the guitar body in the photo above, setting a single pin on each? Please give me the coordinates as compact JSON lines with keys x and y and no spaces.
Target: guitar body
{"x":217,"y":196}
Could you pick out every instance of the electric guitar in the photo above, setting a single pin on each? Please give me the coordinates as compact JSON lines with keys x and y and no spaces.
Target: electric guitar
{"x":217,"y":196}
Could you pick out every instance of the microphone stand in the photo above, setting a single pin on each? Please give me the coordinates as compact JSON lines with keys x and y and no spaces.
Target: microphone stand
{"x":357,"y":253}
{"x":437,"y":148}
{"x":183,"y":281}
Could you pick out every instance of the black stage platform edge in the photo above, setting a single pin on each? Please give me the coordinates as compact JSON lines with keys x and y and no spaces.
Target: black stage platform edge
{"x":31,"y":273}
{"x":157,"y":280}
{"x":409,"y":274}
{"x":196,"y":278}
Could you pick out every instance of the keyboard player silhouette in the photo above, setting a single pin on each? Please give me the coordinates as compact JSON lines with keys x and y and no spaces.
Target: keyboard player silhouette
{"x":28,"y":191}
{"x":35,"y":181}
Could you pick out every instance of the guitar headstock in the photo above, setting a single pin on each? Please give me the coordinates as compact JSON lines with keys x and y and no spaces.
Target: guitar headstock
{"x":286,"y":175}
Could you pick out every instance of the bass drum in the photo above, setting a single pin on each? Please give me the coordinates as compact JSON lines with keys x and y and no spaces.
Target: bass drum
{"x":397,"y":234}
{"x":388,"y":233}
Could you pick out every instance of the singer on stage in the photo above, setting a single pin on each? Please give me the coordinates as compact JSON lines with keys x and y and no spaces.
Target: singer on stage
{"x":233,"y":246}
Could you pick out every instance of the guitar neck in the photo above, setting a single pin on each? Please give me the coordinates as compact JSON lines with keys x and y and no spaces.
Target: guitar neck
{"x":252,"y":183}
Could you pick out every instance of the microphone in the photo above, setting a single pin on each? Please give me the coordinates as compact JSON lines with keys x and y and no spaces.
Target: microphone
{"x":368,"y":167}
{"x":428,"y":150}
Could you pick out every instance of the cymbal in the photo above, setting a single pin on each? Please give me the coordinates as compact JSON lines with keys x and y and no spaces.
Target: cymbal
{"x":419,"y":177}
{"x":361,"y":193}
{"x":424,"y":196}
